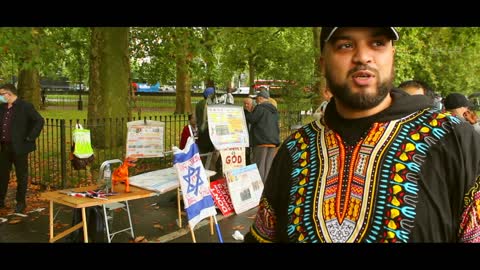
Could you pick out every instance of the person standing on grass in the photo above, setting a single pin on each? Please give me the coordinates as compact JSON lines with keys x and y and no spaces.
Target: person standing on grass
{"x":20,"y":126}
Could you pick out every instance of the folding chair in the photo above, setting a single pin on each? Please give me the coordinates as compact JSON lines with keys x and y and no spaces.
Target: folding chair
{"x":108,"y":215}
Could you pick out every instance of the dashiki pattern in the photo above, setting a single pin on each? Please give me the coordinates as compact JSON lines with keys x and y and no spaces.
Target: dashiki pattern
{"x":367,"y":192}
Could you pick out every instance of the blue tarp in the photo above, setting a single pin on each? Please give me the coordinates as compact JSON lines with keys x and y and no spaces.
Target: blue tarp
{"x":143,"y":87}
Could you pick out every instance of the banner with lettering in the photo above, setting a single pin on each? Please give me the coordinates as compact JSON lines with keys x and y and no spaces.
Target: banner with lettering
{"x":227,"y":126}
{"x":221,"y":196}
{"x":232,"y":158}
{"x":245,"y":186}
{"x":193,"y":180}
{"x":145,"y":139}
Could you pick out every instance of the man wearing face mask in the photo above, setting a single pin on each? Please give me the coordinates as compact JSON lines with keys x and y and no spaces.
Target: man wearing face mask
{"x":20,"y":126}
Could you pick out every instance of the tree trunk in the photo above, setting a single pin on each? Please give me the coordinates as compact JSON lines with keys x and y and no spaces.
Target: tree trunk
{"x":29,"y":86}
{"x":319,"y":82}
{"x":184,"y":84}
{"x":28,"y":78}
{"x":109,"y":85}
{"x":251,"y":74}
{"x":209,"y":58}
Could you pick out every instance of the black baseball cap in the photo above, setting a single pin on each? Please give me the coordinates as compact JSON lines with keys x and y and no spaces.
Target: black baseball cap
{"x":456,"y":100}
{"x":327,"y":33}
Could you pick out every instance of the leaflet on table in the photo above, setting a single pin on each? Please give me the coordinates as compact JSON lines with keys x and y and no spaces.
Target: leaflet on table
{"x":160,"y":180}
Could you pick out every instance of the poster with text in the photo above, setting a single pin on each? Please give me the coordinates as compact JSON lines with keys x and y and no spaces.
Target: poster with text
{"x":227,"y":126}
{"x":245,"y":186}
{"x":221,"y":196}
{"x":232,"y":158}
{"x":145,"y":139}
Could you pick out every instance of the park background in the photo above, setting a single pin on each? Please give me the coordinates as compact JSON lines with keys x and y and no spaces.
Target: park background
{"x":98,"y":66}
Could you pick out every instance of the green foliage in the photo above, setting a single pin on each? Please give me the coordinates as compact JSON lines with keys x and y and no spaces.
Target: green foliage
{"x":444,"y":57}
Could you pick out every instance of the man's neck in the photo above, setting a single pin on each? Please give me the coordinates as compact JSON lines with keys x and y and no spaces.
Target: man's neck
{"x":348,"y":113}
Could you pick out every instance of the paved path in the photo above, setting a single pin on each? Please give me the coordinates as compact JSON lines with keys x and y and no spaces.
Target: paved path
{"x":154,"y":221}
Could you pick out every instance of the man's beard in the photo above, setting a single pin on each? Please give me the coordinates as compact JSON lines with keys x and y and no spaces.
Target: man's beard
{"x":359,"y":101}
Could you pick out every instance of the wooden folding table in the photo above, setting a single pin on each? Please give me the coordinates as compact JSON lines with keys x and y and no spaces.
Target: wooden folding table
{"x":60,"y":197}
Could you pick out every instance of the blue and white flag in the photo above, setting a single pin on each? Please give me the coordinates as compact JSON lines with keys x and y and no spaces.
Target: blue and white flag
{"x":194,"y":183}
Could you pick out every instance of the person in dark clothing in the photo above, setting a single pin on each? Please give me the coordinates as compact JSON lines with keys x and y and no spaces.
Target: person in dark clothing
{"x":416,"y":87}
{"x":189,"y":130}
{"x":458,"y":105}
{"x":204,"y":142}
{"x":20,"y":126}
{"x":248,"y":105}
{"x":264,"y":132}
{"x":205,"y":145}
{"x":379,"y":166}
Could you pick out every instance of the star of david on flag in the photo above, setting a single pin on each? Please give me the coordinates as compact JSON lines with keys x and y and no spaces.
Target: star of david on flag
{"x":193,"y":180}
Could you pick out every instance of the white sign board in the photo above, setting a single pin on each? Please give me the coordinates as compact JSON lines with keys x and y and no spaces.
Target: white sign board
{"x":145,"y":139}
{"x":227,"y":126}
{"x":245,"y":186}
{"x":232,"y":158}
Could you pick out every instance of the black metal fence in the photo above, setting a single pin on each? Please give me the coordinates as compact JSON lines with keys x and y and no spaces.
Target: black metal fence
{"x":50,"y":165}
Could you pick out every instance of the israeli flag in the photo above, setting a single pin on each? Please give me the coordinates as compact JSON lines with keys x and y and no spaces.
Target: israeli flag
{"x":194,"y":183}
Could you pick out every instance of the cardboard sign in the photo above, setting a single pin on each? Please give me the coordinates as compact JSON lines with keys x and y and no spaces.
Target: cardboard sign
{"x":221,"y":196}
{"x":245,"y":186}
{"x":145,"y":139}
{"x":227,"y":126}
{"x":232,"y":158}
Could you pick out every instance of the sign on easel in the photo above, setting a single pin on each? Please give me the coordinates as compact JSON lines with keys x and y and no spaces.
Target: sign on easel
{"x":145,"y":139}
{"x":232,"y":158}
{"x":227,"y":126}
{"x":245,"y":186}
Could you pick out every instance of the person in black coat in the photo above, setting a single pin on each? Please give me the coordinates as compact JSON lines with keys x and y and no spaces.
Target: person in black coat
{"x":20,"y":126}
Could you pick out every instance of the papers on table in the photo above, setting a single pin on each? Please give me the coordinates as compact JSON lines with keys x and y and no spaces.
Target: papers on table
{"x":160,"y":181}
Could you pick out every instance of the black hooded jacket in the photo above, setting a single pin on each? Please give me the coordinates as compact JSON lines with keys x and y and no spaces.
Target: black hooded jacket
{"x":264,"y":124}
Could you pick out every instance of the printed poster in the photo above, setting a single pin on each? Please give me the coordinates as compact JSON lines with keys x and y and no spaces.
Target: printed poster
{"x":245,"y":186}
{"x":145,"y":139}
{"x":232,"y":158}
{"x":227,"y":126}
{"x":221,"y":196}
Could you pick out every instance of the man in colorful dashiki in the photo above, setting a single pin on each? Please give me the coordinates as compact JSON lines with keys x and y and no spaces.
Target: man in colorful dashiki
{"x":379,"y":166}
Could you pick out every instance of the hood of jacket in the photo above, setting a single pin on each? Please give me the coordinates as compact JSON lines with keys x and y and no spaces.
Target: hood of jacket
{"x":351,"y":130}
{"x":269,"y":106}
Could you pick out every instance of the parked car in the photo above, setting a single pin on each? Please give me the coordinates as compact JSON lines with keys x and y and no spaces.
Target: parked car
{"x":245,"y":90}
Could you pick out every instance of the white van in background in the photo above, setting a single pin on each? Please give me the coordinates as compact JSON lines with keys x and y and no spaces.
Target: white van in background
{"x":244,"y":90}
